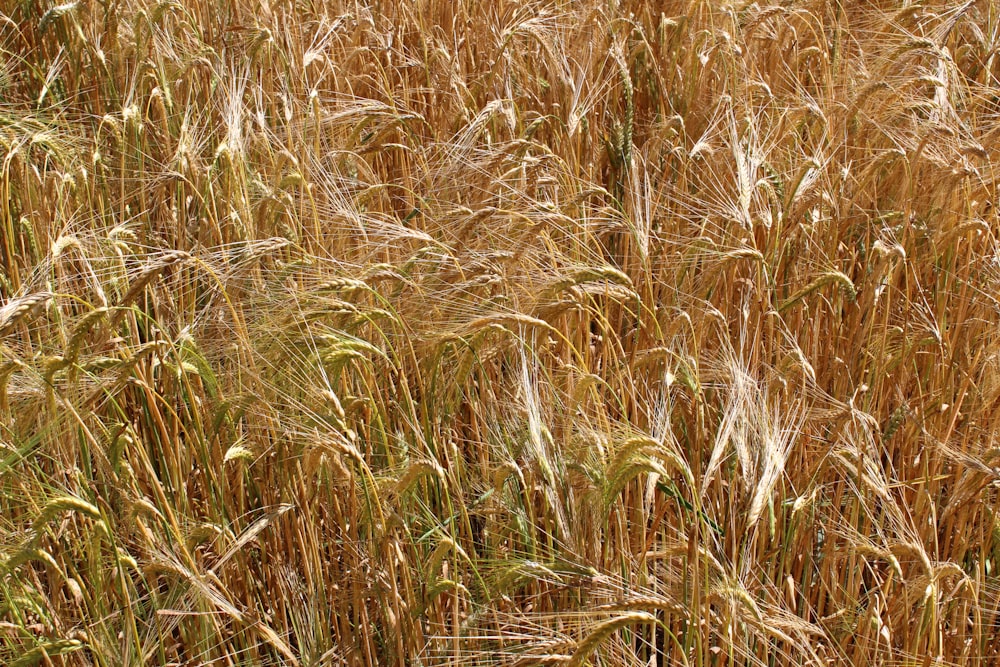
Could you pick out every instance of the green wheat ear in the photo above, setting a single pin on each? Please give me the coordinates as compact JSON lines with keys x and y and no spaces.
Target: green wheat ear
{"x":830,"y":277}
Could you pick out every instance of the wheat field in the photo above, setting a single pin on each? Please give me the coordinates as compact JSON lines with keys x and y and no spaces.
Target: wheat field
{"x":441,"y":333}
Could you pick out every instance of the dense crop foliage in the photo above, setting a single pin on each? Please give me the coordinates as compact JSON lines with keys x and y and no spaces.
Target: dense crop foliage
{"x":434,"y":332}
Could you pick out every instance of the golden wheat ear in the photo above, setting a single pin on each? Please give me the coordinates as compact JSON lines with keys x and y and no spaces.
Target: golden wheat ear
{"x":485,"y":334}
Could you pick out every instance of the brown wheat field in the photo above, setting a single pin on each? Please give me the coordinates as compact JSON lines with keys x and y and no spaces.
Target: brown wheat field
{"x":441,"y":333}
